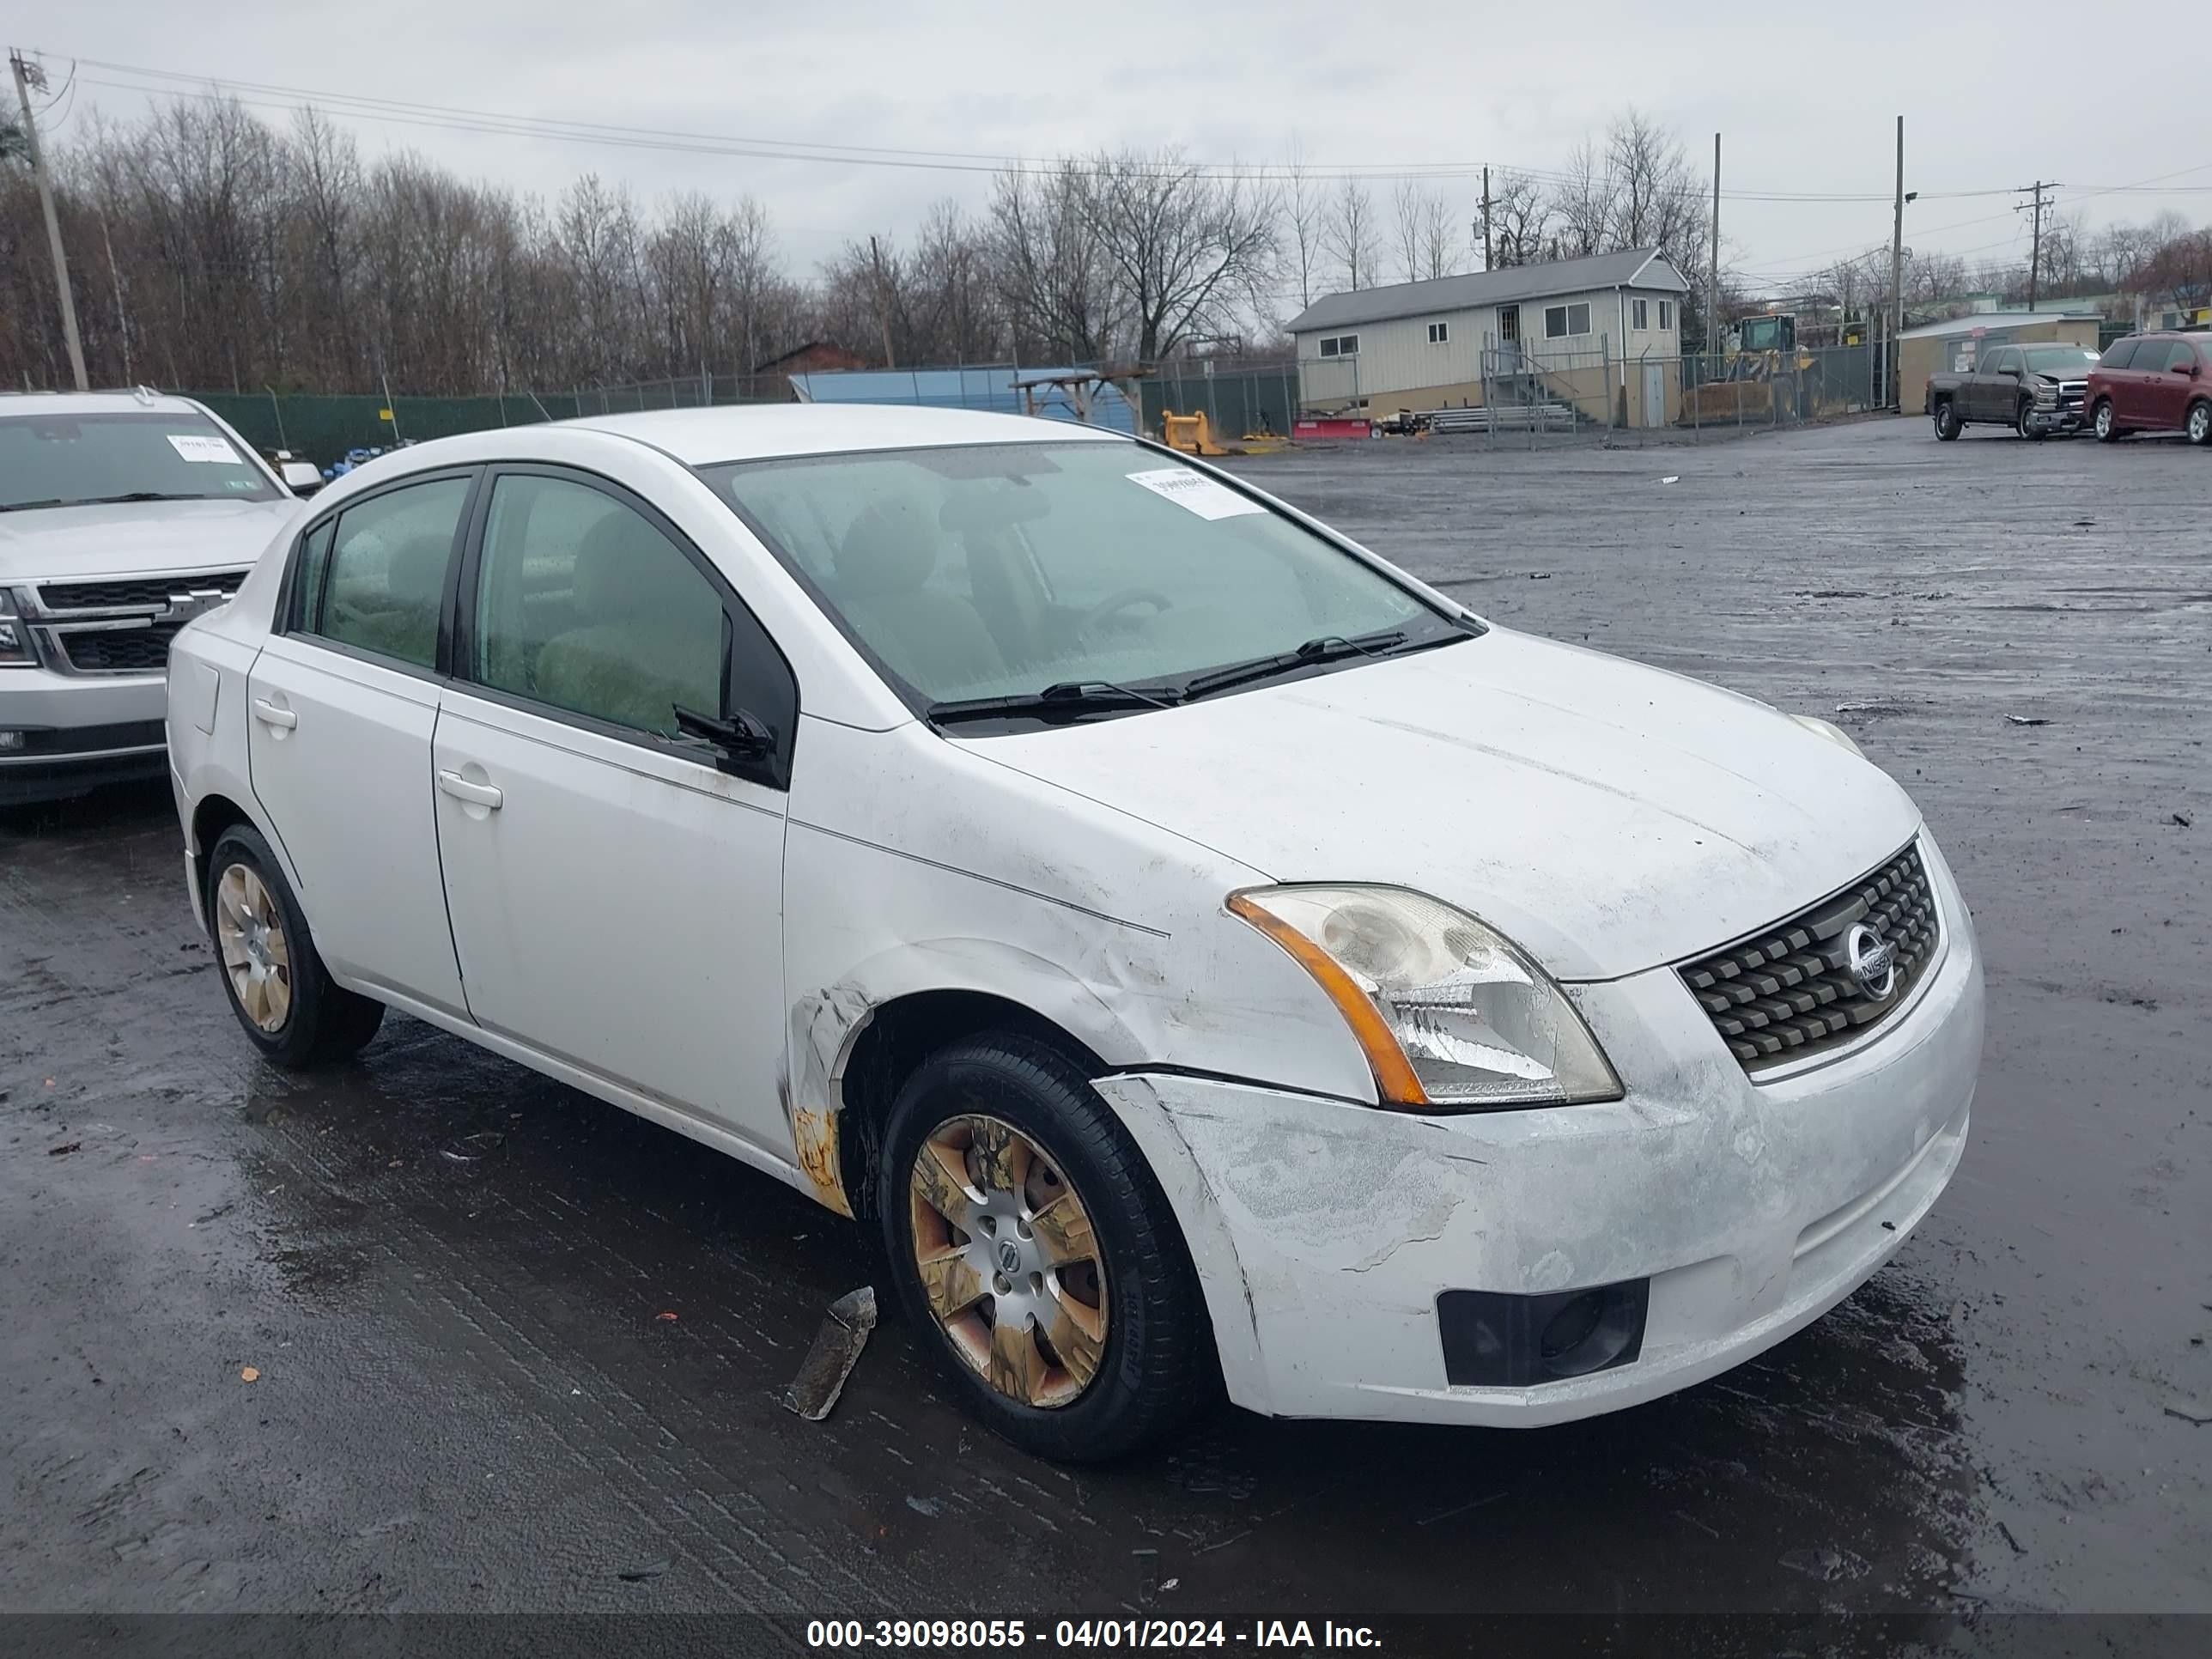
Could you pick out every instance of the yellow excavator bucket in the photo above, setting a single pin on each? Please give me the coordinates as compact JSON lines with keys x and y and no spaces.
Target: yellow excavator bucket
{"x":1190,"y":434}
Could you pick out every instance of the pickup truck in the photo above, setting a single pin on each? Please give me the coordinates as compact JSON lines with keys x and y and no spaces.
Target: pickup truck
{"x":2036,"y":390}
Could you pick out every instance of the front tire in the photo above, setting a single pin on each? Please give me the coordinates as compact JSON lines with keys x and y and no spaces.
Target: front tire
{"x":285,"y":1000}
{"x":2104,"y":422}
{"x":1947,"y":421}
{"x":2019,"y":422}
{"x":2198,"y":424}
{"x":1029,"y":1242}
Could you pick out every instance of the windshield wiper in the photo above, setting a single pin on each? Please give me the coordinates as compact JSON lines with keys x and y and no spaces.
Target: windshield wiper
{"x":1329,"y":648}
{"x":25,"y":507}
{"x":139,"y":496}
{"x":1063,"y":700}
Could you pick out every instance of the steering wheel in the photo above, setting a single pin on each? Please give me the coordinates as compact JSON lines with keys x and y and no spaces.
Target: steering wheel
{"x":1114,"y":603}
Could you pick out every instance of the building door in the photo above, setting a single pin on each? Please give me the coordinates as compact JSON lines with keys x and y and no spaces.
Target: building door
{"x":1509,"y":339}
{"x":1655,"y":394}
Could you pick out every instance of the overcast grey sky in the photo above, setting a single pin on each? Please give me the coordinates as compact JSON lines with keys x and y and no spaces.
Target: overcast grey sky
{"x":1993,"y":96}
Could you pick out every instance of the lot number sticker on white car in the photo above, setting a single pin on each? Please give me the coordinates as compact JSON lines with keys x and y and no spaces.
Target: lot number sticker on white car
{"x":193,"y":447}
{"x":1195,"y":491}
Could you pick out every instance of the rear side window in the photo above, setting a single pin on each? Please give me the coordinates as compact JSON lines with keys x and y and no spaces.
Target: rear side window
{"x":387,"y":575}
{"x":2121,"y":353}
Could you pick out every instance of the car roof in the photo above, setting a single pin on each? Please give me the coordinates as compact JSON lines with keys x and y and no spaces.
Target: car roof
{"x":118,"y":402}
{"x":701,"y":437}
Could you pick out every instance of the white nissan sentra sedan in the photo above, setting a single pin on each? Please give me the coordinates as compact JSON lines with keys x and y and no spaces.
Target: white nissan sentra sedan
{"x":1200,"y":948}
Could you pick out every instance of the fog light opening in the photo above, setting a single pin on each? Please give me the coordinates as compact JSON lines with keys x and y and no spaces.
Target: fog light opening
{"x":1572,"y":1325}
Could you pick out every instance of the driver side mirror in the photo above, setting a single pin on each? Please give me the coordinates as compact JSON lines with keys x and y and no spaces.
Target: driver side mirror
{"x":302,"y":478}
{"x":2009,"y":373}
{"x":741,"y":744}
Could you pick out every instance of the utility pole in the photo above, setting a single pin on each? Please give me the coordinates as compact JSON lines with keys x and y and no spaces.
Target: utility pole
{"x":883,"y":301}
{"x":1713,"y":310}
{"x":30,"y":75}
{"x":1489,"y":254}
{"x":2035,"y":240}
{"x":1896,"y":274}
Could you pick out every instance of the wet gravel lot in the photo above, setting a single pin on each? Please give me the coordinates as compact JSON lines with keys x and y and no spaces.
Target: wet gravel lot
{"x":519,"y":1350}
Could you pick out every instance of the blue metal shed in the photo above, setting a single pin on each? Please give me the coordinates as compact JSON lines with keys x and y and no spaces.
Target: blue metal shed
{"x":986,"y":387}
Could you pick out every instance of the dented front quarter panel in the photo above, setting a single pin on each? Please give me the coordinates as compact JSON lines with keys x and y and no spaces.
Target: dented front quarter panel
{"x":912,"y":864}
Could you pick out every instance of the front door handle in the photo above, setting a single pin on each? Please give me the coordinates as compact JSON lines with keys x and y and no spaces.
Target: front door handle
{"x":269,"y":714}
{"x":477,"y":794}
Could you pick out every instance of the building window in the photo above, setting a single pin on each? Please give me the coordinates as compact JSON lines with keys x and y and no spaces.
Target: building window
{"x":1639,"y":314}
{"x":1340,"y":345}
{"x":1562,"y":321}
{"x":1666,"y":315}
{"x":1439,"y":333}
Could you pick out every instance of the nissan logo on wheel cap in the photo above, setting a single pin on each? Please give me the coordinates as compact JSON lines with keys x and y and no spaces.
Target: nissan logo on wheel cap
{"x":1872,"y":960}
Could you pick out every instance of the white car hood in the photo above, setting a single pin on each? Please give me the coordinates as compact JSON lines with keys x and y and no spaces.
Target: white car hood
{"x":1608,"y":816}
{"x":131,"y":539}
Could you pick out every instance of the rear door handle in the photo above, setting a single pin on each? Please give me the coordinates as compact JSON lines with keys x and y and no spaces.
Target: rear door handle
{"x":269,"y":714}
{"x":477,"y":794}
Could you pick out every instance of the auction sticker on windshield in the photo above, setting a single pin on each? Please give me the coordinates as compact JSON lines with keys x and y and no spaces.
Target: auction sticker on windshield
{"x":193,"y":447}
{"x":1194,"y":490}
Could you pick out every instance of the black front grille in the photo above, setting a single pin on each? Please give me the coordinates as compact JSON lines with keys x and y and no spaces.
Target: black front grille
{"x":1788,"y":991}
{"x":119,"y":650}
{"x":139,"y":593}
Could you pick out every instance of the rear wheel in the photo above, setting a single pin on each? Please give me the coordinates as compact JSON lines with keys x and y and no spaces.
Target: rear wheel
{"x":289,"y":1006}
{"x":1946,"y":421}
{"x":1027,"y":1234}
{"x":2104,"y":422}
{"x":2198,"y":425}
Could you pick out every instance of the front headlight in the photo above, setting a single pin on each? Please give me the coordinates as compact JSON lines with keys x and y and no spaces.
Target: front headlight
{"x":14,"y":638}
{"x":1449,"y":1013}
{"x":1828,"y":729}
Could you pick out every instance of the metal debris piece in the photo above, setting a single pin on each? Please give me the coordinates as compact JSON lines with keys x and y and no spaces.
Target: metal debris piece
{"x":2027,"y":719}
{"x":65,"y":1149}
{"x":2183,"y":819}
{"x":930,"y":1506}
{"x":639,"y":1574}
{"x":837,"y":1350}
{"x":1672,"y":478}
{"x":469,"y":1148}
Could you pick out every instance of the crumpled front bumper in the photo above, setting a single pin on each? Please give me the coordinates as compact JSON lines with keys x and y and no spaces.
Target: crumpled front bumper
{"x":1323,"y":1232}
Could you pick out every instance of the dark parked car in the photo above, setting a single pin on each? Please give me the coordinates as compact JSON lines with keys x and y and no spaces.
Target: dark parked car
{"x":2153,"y":383}
{"x":2036,"y":390}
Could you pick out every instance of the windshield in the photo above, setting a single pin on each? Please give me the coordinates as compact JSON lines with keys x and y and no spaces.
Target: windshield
{"x":997,"y":571}
{"x":69,"y":460}
{"x":2061,"y":360}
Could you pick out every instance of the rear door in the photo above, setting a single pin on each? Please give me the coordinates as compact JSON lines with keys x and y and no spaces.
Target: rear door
{"x":617,"y":900}
{"x":2166,"y":388}
{"x":340,"y":706}
{"x":2133,"y":396}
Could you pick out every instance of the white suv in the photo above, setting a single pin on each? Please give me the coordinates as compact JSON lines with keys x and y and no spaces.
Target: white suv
{"x":123,"y":516}
{"x":1201,"y":949}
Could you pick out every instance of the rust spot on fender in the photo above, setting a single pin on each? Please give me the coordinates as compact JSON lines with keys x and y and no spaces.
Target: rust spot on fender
{"x":815,"y":1136}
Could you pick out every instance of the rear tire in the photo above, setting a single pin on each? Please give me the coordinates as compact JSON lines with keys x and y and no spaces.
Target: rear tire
{"x":2104,"y":422}
{"x":286,"y":1001}
{"x":1946,"y":421}
{"x":1001,"y":1131}
{"x":2198,"y":422}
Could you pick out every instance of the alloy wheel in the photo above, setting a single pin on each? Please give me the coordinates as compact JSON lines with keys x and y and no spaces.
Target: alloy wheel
{"x":2103,"y":420}
{"x":2200,"y":423}
{"x":250,"y":929}
{"x":1005,"y":1254}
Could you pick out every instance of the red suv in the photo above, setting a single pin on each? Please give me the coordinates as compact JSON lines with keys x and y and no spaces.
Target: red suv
{"x":2153,"y":383}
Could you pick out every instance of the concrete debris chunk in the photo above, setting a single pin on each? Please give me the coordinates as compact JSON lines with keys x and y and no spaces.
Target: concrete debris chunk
{"x":837,"y":1350}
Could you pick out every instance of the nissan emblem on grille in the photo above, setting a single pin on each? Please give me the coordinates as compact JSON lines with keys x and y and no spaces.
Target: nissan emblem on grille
{"x":1827,"y":976}
{"x":1873,"y":961}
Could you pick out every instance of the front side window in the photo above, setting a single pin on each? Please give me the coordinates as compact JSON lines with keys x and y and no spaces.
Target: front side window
{"x":2180,"y":355}
{"x":2003,"y":362}
{"x":386,"y":581}
{"x":584,"y":604}
{"x":128,"y":455}
{"x":1001,"y":570}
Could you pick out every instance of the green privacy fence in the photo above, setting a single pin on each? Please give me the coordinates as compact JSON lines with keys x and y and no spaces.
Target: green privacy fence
{"x":323,"y":427}
{"x":1235,"y":402}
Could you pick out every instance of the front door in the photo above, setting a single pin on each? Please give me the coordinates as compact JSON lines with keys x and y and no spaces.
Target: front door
{"x":1655,"y":394}
{"x":1509,"y":339}
{"x":340,"y":705}
{"x":2168,"y":386}
{"x":617,"y":900}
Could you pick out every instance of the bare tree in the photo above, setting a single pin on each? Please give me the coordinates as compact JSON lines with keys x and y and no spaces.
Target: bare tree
{"x":1581,"y":206}
{"x":1406,"y":221}
{"x":1519,"y":220}
{"x":1186,"y":247}
{"x":1352,"y":232}
{"x":1308,"y":214}
{"x":1057,"y":283}
{"x":1439,"y":240}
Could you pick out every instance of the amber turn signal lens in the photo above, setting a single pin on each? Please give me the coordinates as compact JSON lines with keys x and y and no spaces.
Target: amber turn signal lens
{"x":1395,"y":1081}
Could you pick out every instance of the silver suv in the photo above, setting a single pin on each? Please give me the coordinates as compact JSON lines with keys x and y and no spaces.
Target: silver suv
{"x":123,"y":516}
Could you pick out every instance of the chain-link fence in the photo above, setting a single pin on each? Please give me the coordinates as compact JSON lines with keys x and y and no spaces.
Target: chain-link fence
{"x":1517,"y":395}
